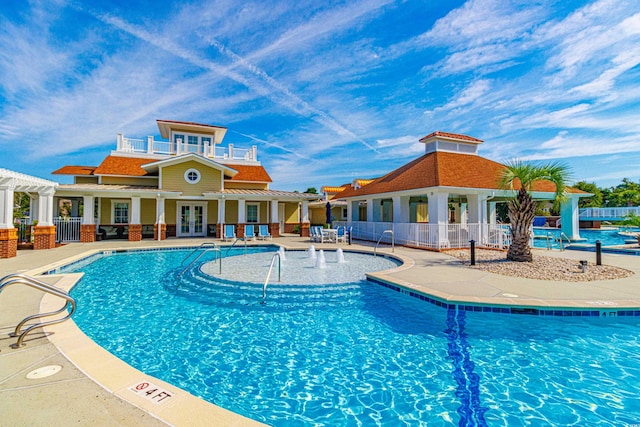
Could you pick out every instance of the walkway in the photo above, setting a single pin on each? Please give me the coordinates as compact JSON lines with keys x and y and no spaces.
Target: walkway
{"x":74,"y":396}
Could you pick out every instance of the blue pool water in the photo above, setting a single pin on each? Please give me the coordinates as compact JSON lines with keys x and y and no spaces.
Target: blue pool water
{"x":353,"y":352}
{"x":608,"y":237}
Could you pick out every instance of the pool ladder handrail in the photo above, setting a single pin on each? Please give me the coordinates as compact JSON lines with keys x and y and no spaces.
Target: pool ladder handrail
{"x":23,"y":279}
{"x":266,"y":281}
{"x":393,"y":246}
{"x":213,"y":248}
{"x":236,"y":241}
{"x":559,"y":240}
{"x":202,"y":246}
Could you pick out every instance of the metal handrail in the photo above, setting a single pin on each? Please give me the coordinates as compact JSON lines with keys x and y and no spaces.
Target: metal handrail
{"x":213,"y":249}
{"x":561,"y":240}
{"x":264,"y":288}
{"x":203,"y":245}
{"x":393,"y":246}
{"x":236,"y":241}
{"x":13,"y":279}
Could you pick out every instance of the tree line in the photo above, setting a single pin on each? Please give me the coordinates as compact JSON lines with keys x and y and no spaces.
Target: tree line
{"x":625,"y":194}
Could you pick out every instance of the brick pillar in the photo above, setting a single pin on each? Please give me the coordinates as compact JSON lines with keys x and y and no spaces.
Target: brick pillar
{"x":240,"y":230}
{"x":163,"y":232}
{"x":274,"y":229}
{"x":304,"y":229}
{"x":8,"y":242}
{"x":87,"y":233}
{"x":135,"y":232}
{"x":44,"y":237}
{"x":219,"y":231}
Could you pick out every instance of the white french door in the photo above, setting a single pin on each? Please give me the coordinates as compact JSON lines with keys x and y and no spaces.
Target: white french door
{"x":191,"y":219}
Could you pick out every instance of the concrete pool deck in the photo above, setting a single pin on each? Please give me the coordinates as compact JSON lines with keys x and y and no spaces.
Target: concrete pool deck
{"x":96,"y":388}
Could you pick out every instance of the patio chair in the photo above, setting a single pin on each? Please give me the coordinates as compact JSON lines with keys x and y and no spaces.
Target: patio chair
{"x":229,"y":232}
{"x":249,"y":233}
{"x":341,"y":235}
{"x":263,"y":232}
{"x":315,"y":234}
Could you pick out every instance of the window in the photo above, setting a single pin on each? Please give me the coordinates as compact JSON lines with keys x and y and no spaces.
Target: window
{"x":253,"y":213}
{"x":119,"y":212}
{"x":192,"y":176}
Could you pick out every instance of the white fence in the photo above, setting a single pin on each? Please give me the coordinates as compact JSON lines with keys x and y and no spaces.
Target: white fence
{"x":67,"y":229}
{"x":609,"y":212}
{"x":433,"y":236}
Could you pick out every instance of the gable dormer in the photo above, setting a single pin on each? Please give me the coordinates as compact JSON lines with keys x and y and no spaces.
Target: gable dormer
{"x":451,"y":142}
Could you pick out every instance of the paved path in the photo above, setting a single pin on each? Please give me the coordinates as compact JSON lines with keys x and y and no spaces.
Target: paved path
{"x":73,"y":397}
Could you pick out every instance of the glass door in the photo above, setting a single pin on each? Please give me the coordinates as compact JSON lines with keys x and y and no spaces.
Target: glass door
{"x":198,"y":220}
{"x":185,"y":219}
{"x":191,"y":219}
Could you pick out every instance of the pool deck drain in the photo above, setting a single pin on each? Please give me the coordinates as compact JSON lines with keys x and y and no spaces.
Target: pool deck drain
{"x":77,"y":393}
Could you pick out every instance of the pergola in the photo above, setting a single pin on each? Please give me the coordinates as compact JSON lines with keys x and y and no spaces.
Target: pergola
{"x":41,"y":191}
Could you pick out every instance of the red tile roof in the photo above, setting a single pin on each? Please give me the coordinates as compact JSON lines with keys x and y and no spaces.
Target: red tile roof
{"x":75,"y":170}
{"x":442,"y":169}
{"x":448,"y":135}
{"x":249,"y":173}
{"x":129,"y":166}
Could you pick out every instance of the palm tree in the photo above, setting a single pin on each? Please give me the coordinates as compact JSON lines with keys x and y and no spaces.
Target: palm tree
{"x":522,"y":207}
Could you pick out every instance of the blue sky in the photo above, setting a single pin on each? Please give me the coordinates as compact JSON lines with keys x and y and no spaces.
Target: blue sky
{"x":329,"y":91}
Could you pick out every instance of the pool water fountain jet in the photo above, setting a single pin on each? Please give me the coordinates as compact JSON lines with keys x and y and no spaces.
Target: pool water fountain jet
{"x":281,"y":253}
{"x":320,"y":260}
{"x":340,"y":256}
{"x":311,"y":252}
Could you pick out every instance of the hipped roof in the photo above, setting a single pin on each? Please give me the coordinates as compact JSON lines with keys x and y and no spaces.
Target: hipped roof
{"x":132,"y":166}
{"x":442,"y":169}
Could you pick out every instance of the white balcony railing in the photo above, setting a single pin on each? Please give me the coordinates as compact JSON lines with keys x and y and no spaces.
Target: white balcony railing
{"x":153,"y":146}
{"x":433,"y":236}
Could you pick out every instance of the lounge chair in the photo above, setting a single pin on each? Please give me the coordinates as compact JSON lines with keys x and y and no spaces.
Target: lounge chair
{"x":249,"y":232}
{"x":341,"y":235}
{"x":315,"y":234}
{"x":263,"y":232}
{"x":229,"y":232}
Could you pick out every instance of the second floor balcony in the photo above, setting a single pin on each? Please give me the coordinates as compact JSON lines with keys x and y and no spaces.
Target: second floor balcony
{"x":154,"y":147}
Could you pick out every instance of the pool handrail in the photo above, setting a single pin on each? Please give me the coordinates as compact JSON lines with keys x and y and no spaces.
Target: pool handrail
{"x":202,"y":246}
{"x":236,"y":241}
{"x":266,"y":281}
{"x":23,"y":279}
{"x":393,"y":246}
{"x":214,"y":249}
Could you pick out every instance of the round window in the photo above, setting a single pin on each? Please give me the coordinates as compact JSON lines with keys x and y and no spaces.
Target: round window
{"x":192,"y":176}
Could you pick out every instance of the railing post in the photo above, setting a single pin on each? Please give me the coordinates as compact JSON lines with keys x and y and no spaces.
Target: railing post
{"x":473,"y":252}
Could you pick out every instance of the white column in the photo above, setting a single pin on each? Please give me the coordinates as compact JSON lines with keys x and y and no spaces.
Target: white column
{"x":273,"y":215}
{"x":438,"y":215}
{"x":475,"y":216}
{"x":221,"y":211}
{"x":350,"y":211}
{"x":135,"y":210}
{"x":45,"y":207}
{"x":242,"y":211}
{"x":464,"y":214}
{"x":397,"y":209}
{"x":305,"y":211}
{"x":159,"y":211}
{"x":370,"y":210}
{"x":149,"y":145}
{"x":88,"y":213}
{"x":569,"y":216}
{"x":33,"y":207}
{"x":6,"y":206}
{"x":492,"y":213}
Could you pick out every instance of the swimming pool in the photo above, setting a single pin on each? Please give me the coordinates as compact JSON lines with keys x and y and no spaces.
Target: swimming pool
{"x":353,"y":353}
{"x":608,"y":237}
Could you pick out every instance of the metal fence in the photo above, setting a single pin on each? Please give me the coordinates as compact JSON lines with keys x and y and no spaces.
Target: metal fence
{"x":67,"y":229}
{"x":432,"y":236}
